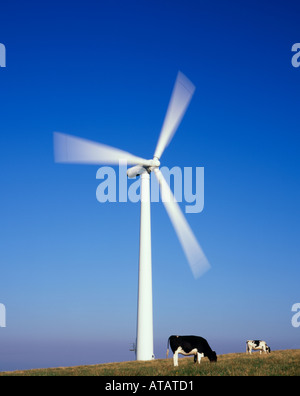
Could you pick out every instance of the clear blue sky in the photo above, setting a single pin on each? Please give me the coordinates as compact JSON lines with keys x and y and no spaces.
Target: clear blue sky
{"x":104,"y":71}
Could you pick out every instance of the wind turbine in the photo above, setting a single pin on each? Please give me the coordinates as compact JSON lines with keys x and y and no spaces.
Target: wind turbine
{"x":70,"y":149}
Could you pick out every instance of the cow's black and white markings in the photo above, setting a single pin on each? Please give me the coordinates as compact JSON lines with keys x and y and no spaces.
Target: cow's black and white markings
{"x":257,"y":345}
{"x":190,"y":345}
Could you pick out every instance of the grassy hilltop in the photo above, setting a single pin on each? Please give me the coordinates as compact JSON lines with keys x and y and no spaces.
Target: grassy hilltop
{"x":278,"y":363}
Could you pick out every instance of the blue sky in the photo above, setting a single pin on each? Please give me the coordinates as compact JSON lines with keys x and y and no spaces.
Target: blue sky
{"x":105,"y":71}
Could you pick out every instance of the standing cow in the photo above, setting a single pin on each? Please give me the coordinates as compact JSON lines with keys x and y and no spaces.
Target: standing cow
{"x":190,"y":345}
{"x":257,"y":345}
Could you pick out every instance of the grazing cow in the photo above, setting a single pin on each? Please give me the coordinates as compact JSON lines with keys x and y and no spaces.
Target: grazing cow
{"x":257,"y":345}
{"x":190,"y":345}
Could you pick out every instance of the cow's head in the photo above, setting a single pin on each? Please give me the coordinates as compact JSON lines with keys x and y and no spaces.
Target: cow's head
{"x":212,"y":356}
{"x":268,"y":349}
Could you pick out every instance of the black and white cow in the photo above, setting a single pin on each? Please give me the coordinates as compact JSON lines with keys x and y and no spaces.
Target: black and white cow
{"x":190,"y":345}
{"x":257,"y":345}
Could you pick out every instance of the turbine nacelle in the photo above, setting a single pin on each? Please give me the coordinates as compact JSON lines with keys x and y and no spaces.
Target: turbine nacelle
{"x":148,"y":167}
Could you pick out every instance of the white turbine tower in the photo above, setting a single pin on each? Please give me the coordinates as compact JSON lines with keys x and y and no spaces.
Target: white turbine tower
{"x":70,"y":149}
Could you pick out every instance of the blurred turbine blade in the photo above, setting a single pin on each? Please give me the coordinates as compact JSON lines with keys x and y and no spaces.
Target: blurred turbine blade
{"x":181,"y":96}
{"x":195,"y":256}
{"x":71,"y":149}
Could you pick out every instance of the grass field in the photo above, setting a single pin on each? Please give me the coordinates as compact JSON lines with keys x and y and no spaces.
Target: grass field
{"x":278,"y":363}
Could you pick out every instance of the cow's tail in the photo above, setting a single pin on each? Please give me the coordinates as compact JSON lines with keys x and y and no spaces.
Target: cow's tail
{"x":168,"y":347}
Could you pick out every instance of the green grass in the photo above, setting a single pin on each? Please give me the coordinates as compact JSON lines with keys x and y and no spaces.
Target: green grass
{"x":278,"y":363}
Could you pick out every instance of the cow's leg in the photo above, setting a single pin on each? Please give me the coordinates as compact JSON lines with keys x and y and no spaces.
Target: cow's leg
{"x":199,"y":356}
{"x":175,"y":358}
